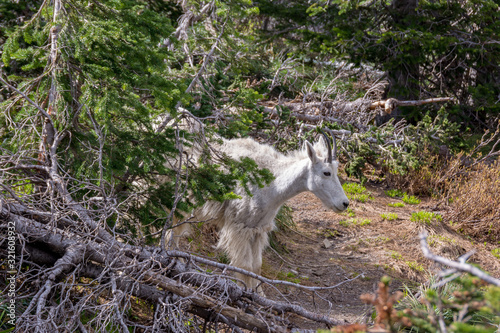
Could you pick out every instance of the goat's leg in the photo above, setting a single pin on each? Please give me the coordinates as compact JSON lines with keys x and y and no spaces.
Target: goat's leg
{"x":244,"y":246}
{"x":260,"y":242}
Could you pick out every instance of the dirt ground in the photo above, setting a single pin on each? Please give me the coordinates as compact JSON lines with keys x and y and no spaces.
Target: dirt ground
{"x":328,"y":248}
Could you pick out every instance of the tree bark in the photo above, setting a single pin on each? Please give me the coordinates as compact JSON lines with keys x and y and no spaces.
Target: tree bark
{"x":404,"y":77}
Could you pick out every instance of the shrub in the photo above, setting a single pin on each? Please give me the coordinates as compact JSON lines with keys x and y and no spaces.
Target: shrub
{"x":410,"y":200}
{"x":475,"y":203}
{"x":353,"y":188}
{"x":389,"y":216}
{"x":394,"y":193}
{"x":413,"y":164}
{"x":426,"y":179}
{"x":425,"y":217}
{"x":354,"y":222}
{"x":464,"y":306}
{"x":355,"y":191}
{"x":284,"y":222}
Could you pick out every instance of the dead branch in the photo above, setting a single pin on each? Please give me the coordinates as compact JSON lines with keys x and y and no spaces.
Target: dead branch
{"x":190,"y":17}
{"x":391,"y":103}
{"x":315,"y":112}
{"x":122,"y":268}
{"x":456,"y":266}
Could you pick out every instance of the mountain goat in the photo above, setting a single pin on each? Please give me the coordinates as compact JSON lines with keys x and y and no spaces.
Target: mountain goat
{"x":244,"y":223}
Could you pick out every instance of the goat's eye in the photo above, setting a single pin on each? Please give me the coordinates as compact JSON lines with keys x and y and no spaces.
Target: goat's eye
{"x":328,"y":174}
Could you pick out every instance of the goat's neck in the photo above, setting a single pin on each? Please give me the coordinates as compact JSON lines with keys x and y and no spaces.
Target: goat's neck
{"x":291,"y":181}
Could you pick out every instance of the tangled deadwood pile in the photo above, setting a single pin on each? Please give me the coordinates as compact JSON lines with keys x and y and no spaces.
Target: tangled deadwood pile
{"x":358,"y":113}
{"x":73,"y":272}
{"x":70,"y":265}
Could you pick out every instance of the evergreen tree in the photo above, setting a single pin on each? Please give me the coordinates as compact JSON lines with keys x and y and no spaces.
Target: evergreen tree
{"x":106,"y":79}
{"x":427,"y":48}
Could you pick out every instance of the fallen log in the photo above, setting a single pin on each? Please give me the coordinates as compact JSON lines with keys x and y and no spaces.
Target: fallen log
{"x":391,"y":103}
{"x":329,"y":111}
{"x":142,"y":273}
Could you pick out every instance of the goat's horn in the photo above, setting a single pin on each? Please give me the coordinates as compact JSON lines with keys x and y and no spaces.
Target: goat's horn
{"x":329,"y":148}
{"x":334,"y":148}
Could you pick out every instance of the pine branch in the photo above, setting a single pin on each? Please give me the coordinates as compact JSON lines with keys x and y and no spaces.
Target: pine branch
{"x":38,"y":107}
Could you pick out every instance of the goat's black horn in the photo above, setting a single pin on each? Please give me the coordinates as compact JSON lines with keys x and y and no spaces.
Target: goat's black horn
{"x":329,"y":148}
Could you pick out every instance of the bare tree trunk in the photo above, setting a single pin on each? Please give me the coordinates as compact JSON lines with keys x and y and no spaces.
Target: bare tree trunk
{"x":404,"y":78}
{"x":48,"y":126}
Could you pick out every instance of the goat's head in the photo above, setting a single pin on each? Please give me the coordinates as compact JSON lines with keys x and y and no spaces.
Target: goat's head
{"x":322,"y":178}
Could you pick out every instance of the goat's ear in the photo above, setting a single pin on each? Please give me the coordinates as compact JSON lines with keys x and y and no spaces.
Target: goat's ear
{"x":321,"y":146}
{"x":311,"y":152}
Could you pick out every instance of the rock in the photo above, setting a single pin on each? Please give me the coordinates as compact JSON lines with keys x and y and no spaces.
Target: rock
{"x":327,"y":243}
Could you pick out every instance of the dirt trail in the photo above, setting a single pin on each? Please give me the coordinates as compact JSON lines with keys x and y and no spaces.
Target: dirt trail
{"x":329,"y":248}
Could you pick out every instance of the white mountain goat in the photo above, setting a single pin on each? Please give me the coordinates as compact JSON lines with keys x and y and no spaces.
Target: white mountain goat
{"x":244,"y":223}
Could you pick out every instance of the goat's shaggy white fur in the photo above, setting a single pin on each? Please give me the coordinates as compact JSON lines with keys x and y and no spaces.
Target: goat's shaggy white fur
{"x":244,"y":223}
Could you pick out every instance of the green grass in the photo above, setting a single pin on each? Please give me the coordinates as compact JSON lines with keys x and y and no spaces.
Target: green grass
{"x":345,"y":223}
{"x":362,"y":197}
{"x":288,"y":276}
{"x":329,"y":233}
{"x":389,"y":216}
{"x":349,"y":212}
{"x":394,"y":193}
{"x":415,"y":304}
{"x":434,"y":239}
{"x":284,"y":222}
{"x":425,"y":217}
{"x":353,"y":188}
{"x":496,"y":252}
{"x":5,"y":326}
{"x":443,"y":302}
{"x":396,"y":204}
{"x":380,"y":239}
{"x":396,"y":255}
{"x":284,"y":218}
{"x":355,"y":191}
{"x":223,"y":258}
{"x":363,"y":222}
{"x":355,"y":222}
{"x":410,"y":200}
{"x":415,"y":266}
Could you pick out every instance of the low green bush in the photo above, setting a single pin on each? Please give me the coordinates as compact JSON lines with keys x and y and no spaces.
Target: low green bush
{"x":425,"y":217}
{"x":410,"y":199}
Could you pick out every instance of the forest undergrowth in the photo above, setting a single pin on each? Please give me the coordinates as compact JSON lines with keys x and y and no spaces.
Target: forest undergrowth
{"x":93,"y":171}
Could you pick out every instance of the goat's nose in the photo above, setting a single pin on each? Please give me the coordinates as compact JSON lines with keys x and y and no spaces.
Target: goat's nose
{"x":346,"y":204}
